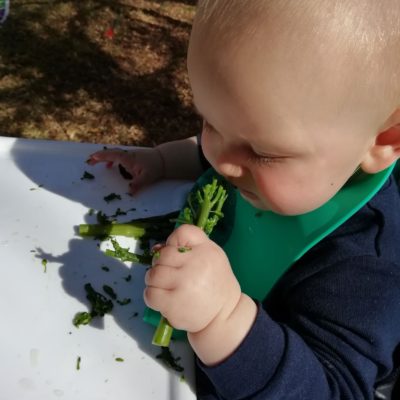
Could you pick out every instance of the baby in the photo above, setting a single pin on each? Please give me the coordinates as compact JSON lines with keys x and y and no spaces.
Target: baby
{"x":295,"y":97}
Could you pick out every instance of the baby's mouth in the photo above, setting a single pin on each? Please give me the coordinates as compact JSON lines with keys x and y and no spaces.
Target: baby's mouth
{"x":247,"y":194}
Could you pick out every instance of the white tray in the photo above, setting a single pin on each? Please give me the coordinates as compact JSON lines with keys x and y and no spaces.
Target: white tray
{"x":42,"y":201}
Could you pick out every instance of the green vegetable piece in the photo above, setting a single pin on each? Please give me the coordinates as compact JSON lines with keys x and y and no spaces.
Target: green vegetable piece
{"x":44,"y":263}
{"x":82,"y":318}
{"x":169,"y":360}
{"x":102,"y":219}
{"x":118,"y":212}
{"x":124,"y":254}
{"x":87,"y":175}
{"x":124,"y":302}
{"x":100,"y":304}
{"x":156,"y":255}
{"x":184,"y":249}
{"x":36,"y":188}
{"x":125,"y":174}
{"x":119,"y":359}
{"x":112,"y":197}
{"x":128,"y":278}
{"x":78,"y":363}
{"x":156,"y":228}
{"x":105,"y":268}
{"x":110,"y":291}
{"x":204,"y":210}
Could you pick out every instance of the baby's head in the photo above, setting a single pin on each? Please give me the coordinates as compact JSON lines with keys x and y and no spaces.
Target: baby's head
{"x":296,"y":95}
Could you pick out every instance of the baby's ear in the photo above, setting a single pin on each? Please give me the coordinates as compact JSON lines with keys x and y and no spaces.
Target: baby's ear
{"x":386,"y":149}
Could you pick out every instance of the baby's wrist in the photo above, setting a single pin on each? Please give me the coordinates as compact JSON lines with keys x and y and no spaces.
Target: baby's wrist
{"x":225,"y":333}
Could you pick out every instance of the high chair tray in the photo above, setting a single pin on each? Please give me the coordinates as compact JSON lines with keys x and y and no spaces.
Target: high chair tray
{"x":43,"y":355}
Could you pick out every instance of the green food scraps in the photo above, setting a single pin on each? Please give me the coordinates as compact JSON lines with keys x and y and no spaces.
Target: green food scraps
{"x":110,"y":291}
{"x":100,"y":305}
{"x":169,"y":360}
{"x":87,"y":175}
{"x":82,"y":318}
{"x":184,"y":249}
{"x":124,"y":254}
{"x":112,"y":197}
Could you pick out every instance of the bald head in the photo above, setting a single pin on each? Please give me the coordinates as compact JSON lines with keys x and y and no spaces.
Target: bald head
{"x":357,"y":41}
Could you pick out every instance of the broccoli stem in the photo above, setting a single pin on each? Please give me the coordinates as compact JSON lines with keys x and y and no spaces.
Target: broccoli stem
{"x":210,"y":199}
{"x":162,"y":335}
{"x":135,"y":230}
{"x":157,"y":228}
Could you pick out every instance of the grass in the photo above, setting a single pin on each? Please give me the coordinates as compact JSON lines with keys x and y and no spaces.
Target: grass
{"x":96,"y":71}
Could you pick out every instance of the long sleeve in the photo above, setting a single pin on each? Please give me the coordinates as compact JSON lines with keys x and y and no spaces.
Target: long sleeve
{"x":330,"y":326}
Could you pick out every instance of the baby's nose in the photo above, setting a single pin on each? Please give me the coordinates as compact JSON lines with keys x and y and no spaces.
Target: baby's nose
{"x":229,"y":169}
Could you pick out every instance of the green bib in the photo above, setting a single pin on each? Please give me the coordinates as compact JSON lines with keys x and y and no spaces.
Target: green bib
{"x":262,"y":245}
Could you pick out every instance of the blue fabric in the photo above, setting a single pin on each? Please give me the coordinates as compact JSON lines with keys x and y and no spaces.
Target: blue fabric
{"x":330,"y":326}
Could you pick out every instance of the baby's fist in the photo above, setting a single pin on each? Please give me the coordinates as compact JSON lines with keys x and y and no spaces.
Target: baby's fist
{"x":191,"y":283}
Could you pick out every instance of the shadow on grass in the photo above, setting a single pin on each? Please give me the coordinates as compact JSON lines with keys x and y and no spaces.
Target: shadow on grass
{"x":58,"y":69}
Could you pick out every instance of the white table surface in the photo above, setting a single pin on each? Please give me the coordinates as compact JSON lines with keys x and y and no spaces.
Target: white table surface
{"x":42,"y":200}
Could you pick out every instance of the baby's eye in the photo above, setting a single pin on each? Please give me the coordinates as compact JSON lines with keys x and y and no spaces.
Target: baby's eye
{"x":260,"y":159}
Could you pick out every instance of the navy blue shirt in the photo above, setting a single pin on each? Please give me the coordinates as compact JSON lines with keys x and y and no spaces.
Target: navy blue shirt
{"x":330,"y":326}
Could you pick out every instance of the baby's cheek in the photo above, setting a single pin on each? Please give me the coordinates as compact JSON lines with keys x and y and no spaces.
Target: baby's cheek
{"x":208,"y":146}
{"x":278,"y":194}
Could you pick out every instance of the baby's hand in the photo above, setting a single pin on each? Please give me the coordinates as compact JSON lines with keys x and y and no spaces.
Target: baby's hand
{"x":144,"y":165}
{"x":191,"y":282}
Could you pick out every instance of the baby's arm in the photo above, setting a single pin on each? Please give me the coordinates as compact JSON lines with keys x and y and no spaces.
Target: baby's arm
{"x":178,"y":159}
{"x":328,"y":337}
{"x":197,"y":291}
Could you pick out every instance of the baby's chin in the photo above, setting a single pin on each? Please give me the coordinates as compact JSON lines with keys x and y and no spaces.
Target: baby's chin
{"x":254,"y":200}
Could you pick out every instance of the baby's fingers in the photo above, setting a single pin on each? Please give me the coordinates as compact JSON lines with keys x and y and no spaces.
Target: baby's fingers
{"x":162,"y":277}
{"x":139,"y":179}
{"x":108,"y":156}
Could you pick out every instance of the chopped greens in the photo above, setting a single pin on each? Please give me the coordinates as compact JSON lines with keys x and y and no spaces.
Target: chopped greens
{"x":184,"y":249}
{"x":78,"y":363}
{"x":124,"y":254}
{"x":118,"y":212}
{"x":110,"y":291}
{"x":87,"y":175}
{"x":155,"y":228}
{"x":124,"y":302}
{"x":125,"y":174}
{"x":100,"y":305}
{"x":102,"y":219}
{"x":36,"y":188}
{"x":112,"y":197}
{"x":81,"y":318}
{"x":169,"y":360}
{"x":119,"y":359}
{"x":44,"y":263}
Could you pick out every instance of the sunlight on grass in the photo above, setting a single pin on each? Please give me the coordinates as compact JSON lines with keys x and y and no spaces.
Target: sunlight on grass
{"x":96,"y":71}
